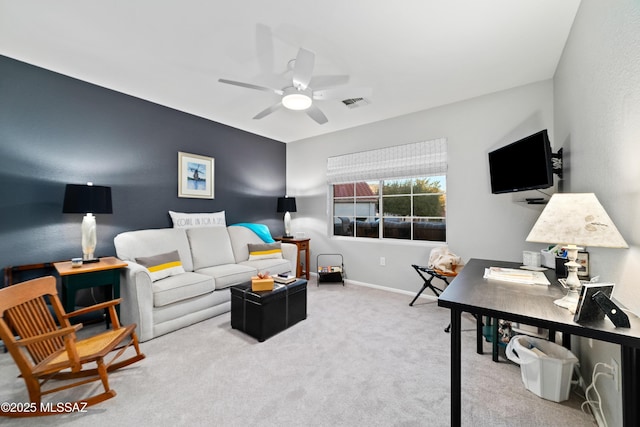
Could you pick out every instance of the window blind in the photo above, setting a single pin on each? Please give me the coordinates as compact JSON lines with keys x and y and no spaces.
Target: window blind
{"x":426,"y":158}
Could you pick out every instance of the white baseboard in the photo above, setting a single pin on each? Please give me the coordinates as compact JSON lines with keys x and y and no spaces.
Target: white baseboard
{"x":385,"y":288}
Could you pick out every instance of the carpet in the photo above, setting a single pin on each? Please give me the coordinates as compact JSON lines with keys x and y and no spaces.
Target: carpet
{"x":362,"y":357}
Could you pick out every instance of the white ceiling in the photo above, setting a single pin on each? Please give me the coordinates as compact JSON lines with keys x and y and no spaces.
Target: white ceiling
{"x":413,"y":54}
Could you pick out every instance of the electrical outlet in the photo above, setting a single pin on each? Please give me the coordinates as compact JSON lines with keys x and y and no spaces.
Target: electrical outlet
{"x":615,"y":371}
{"x":383,"y":261}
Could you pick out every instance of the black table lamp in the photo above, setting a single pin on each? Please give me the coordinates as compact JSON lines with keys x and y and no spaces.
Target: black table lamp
{"x":286,"y":205}
{"x":87,"y":199}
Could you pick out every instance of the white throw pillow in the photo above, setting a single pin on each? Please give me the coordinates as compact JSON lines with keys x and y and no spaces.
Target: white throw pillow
{"x":193,"y":220}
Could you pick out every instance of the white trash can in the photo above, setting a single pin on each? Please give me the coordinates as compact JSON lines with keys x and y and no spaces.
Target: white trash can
{"x":546,"y":367}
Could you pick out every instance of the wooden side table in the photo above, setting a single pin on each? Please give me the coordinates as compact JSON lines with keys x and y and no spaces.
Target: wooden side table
{"x":303,"y":245}
{"x":105,"y":272}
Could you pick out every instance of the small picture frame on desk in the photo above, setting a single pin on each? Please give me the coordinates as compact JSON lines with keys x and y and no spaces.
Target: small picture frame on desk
{"x":587,"y":309}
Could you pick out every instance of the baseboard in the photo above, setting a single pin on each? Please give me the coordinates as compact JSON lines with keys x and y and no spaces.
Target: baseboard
{"x":388,"y":289}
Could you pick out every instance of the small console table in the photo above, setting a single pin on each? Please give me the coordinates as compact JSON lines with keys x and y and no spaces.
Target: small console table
{"x":105,"y":272}
{"x":303,"y":245}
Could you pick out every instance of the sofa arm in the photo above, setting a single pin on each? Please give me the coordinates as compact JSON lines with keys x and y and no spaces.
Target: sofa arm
{"x":137,"y":299}
{"x":290,"y":253}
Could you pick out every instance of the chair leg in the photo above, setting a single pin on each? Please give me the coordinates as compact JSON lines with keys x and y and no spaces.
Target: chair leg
{"x":104,"y":376}
{"x":427,"y":284}
{"x":418,"y":294}
{"x":34,"y":389}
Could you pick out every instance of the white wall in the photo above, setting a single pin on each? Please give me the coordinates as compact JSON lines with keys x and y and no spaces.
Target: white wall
{"x":479,"y":224}
{"x":597,"y":115}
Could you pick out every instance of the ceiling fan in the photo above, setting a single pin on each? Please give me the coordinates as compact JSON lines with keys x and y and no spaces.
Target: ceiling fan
{"x":300,"y":95}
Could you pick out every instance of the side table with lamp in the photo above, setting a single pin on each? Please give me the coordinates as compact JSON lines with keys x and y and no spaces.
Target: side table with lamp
{"x":88,"y":271}
{"x":288,"y":204}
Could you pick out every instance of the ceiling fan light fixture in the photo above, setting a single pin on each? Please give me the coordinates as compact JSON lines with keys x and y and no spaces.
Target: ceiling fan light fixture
{"x":295,"y":99}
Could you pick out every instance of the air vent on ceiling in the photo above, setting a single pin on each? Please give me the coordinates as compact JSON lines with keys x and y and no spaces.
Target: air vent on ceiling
{"x":355,"y":102}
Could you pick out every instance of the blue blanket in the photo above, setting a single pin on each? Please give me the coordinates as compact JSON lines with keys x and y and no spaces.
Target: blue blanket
{"x":260,"y":229}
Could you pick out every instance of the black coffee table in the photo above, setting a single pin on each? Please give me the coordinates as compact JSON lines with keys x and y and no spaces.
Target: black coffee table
{"x":264,"y":314}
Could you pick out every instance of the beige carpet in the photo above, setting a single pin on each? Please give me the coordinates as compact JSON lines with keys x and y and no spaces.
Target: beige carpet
{"x":362,"y":357}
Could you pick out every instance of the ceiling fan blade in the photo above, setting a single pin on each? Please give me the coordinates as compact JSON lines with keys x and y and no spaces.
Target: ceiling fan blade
{"x":250,"y":86}
{"x":303,"y":68}
{"x":267,"y":111}
{"x":264,"y":48}
{"x":317,"y":115}
{"x":342,"y":93}
{"x":327,"y":81}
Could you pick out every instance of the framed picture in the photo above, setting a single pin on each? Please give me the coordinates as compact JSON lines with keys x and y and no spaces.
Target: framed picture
{"x":195,"y":176}
{"x":583,"y":270}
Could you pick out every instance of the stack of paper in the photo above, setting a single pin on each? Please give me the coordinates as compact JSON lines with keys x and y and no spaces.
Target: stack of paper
{"x":515,"y":275}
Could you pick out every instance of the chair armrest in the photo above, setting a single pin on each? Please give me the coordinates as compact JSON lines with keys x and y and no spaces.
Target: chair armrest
{"x":53,"y":334}
{"x":101,"y":306}
{"x":95,"y":307}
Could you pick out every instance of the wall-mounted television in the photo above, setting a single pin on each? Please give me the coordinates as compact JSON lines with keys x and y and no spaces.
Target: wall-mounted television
{"x":522,"y":165}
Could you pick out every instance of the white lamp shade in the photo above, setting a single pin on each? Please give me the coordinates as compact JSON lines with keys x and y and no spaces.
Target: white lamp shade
{"x":576,"y":218}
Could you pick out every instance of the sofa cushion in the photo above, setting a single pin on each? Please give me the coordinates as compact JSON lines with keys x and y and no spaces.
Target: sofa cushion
{"x":145,"y":243}
{"x":229,"y":274}
{"x":192,"y":220}
{"x":240,"y":238}
{"x":210,"y":246}
{"x":272,"y":266}
{"x":181,"y":287}
{"x":162,"y":265}
{"x":264,"y":251}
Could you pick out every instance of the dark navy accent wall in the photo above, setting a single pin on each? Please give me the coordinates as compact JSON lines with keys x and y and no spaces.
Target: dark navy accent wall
{"x":56,"y":130}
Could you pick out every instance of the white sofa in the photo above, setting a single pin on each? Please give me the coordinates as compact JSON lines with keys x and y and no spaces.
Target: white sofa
{"x":213,"y":258}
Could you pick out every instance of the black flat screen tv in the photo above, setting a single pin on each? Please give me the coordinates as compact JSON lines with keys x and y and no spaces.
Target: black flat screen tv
{"x":522,"y":165}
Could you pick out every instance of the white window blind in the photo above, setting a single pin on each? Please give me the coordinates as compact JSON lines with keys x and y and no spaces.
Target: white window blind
{"x":426,"y":158}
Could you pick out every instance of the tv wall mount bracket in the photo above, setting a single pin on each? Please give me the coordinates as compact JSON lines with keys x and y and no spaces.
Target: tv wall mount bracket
{"x":556,"y":163}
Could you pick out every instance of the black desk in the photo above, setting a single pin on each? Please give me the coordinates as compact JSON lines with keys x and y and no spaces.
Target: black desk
{"x":533,"y":305}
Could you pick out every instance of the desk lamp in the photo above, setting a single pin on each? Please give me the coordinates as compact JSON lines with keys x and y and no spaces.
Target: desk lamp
{"x":87,"y":199}
{"x":286,"y":205}
{"x":573,"y":220}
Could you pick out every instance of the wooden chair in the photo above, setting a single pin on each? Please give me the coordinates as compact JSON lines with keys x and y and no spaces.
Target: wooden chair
{"x":46,"y":347}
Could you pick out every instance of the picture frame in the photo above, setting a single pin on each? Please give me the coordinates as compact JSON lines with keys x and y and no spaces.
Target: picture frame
{"x":587,"y":309}
{"x":195,"y":176}
{"x":583,"y":260}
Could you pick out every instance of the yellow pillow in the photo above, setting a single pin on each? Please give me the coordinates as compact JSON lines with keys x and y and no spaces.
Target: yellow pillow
{"x":163,"y":265}
{"x":265,"y":251}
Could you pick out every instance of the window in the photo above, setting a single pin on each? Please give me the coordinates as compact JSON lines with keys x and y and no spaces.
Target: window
{"x":394,"y":205}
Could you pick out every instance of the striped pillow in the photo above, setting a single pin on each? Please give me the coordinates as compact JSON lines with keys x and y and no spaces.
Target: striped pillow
{"x":163,"y":265}
{"x":265,"y":251}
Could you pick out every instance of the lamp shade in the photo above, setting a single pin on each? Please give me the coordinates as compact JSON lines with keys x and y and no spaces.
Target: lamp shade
{"x":87,"y":198}
{"x":578,"y":219}
{"x":286,"y":204}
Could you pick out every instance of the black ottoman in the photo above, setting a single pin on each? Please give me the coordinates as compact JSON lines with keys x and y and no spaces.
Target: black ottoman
{"x":264,"y":314}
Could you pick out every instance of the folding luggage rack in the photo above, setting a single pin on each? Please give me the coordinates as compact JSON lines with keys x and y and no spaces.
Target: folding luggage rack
{"x":330,"y":273}
{"x":433,"y":274}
